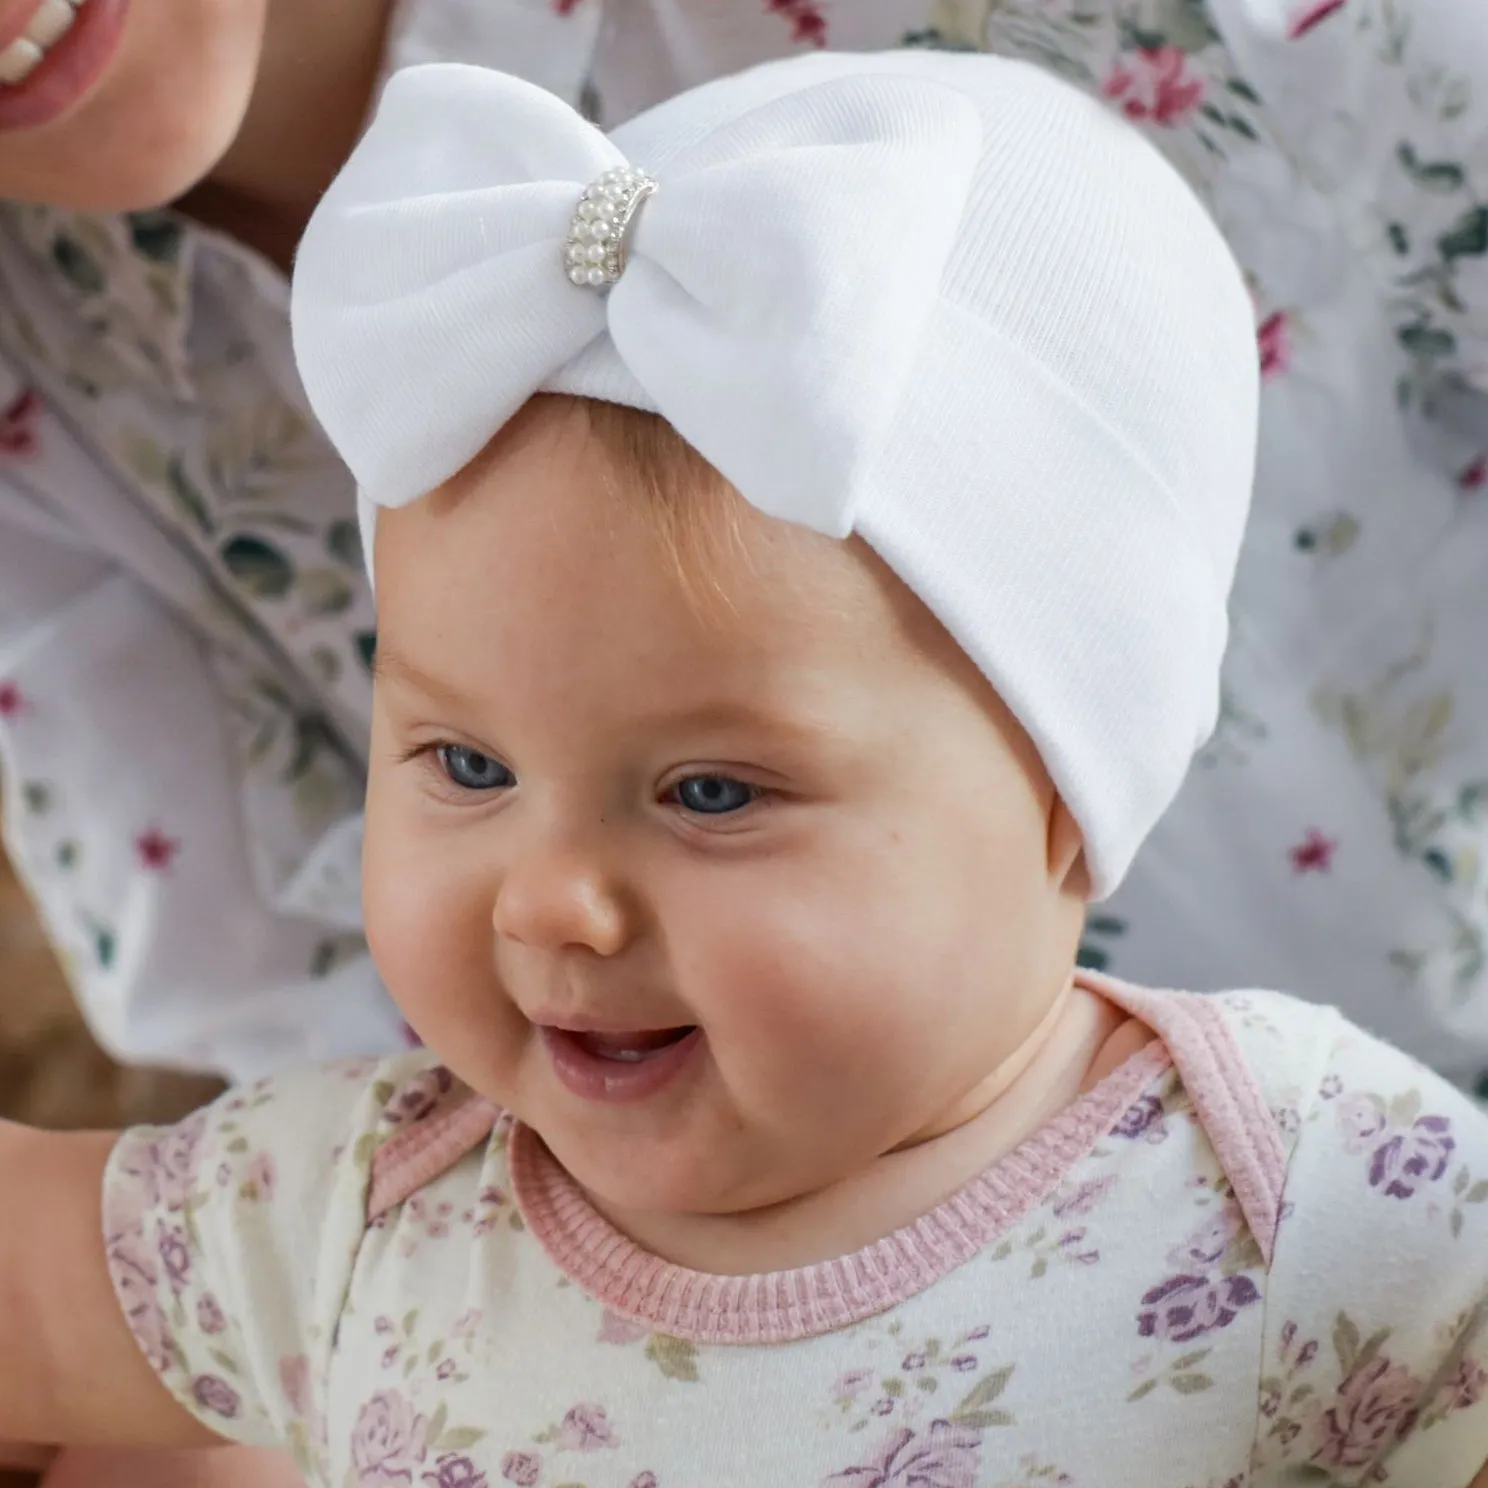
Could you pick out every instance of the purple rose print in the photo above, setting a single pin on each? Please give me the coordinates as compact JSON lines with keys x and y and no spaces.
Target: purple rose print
{"x":1374,"y":1406}
{"x":1412,"y":1158}
{"x":1205,"y":1246}
{"x":1143,"y":1121}
{"x":586,"y":1428}
{"x":942,"y":1456}
{"x":1076,"y":1202}
{"x":209,"y":1315}
{"x":644,"y":1480}
{"x":1361,"y":1118}
{"x":455,"y":1471}
{"x":418,"y":1097}
{"x":214,"y":1394}
{"x":171,"y":1163}
{"x":387,"y":1442}
{"x":132,"y":1269}
{"x":521,"y":1468}
{"x":175,"y":1254}
{"x":1186,"y":1307}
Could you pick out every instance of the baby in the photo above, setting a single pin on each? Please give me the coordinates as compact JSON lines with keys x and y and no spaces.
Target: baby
{"x":802,"y":525}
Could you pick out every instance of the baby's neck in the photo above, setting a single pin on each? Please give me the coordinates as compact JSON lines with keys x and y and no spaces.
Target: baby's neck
{"x":1090,"y":1038}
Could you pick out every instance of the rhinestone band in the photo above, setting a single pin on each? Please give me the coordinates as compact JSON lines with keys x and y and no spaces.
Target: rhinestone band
{"x":594,"y":251}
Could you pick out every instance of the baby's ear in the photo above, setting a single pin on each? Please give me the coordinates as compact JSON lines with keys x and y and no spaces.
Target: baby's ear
{"x":1067,"y":866}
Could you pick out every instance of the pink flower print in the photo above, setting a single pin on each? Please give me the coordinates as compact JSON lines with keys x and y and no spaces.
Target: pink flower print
{"x":1079,"y":1201}
{"x":214,"y":1394}
{"x":1374,"y":1407}
{"x":1205,"y":1246}
{"x":1314,"y":854}
{"x":808,"y":24}
{"x":852,"y":1384}
{"x":1413,"y":1158}
{"x":209,"y":1315}
{"x":454,"y":1471}
{"x":1274,"y":342}
{"x":171,"y":1163}
{"x":1312,"y":14}
{"x":413,"y":1101}
{"x":175,"y":1254}
{"x":387,"y":1442}
{"x":132,"y":1269}
{"x":155,"y":850}
{"x":1361,"y":1118}
{"x":1464,"y":1387}
{"x":586,"y":1428}
{"x":1472,"y":477}
{"x":943,"y":1456}
{"x":644,"y":1480}
{"x":12,"y":700}
{"x":616,"y":1329}
{"x":1187,"y":1307}
{"x":19,"y":436}
{"x":1154,"y":83}
{"x":521,"y":1468}
{"x":466,"y":1324}
{"x":294,"y":1384}
{"x":565,"y":7}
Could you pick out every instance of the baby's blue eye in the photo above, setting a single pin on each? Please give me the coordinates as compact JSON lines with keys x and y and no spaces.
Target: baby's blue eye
{"x":472,"y":770}
{"x":713,"y":795}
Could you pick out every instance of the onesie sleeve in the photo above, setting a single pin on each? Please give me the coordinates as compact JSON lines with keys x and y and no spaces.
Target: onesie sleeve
{"x":231,"y":1239}
{"x":1375,"y":1359}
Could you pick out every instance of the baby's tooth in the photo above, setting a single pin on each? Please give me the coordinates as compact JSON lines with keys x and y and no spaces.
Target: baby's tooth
{"x":19,"y":60}
{"x":51,"y":20}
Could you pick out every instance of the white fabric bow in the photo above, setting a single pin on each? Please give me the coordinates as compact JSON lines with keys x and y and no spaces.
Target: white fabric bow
{"x":431,"y":298}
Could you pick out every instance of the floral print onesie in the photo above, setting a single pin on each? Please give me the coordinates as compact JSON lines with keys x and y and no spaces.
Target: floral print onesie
{"x":1256,"y":1254}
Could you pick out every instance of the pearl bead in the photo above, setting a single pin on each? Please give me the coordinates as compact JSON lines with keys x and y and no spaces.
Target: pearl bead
{"x":578,"y":275}
{"x":596,"y":277}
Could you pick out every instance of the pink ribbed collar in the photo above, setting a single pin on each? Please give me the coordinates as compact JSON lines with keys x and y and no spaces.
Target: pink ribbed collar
{"x":779,"y":1306}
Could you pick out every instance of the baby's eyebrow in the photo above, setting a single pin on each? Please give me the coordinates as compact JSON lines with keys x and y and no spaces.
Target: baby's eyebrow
{"x":389,"y":665}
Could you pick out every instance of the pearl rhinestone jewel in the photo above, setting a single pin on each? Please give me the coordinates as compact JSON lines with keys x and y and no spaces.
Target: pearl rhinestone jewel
{"x":594,"y":251}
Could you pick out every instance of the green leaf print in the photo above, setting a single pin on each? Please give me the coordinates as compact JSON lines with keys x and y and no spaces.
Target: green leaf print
{"x":258,"y":566}
{"x":1345,"y":1343}
{"x":1468,"y":239}
{"x":1426,"y":340}
{"x":676,"y":1358}
{"x":78,"y":265}
{"x":1191,"y":1384}
{"x":324,"y":592}
{"x":344,"y":543}
{"x":1437,"y":175}
{"x":156,"y":235}
{"x":37,"y":795}
{"x":458,"y":1439}
{"x":973,"y":1414}
{"x":185,"y":494}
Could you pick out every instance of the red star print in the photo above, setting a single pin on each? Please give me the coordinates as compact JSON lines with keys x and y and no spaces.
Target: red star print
{"x":12,"y":700}
{"x":18,"y":424}
{"x":1314,"y":854}
{"x":1313,"y":15}
{"x":156,"y":851}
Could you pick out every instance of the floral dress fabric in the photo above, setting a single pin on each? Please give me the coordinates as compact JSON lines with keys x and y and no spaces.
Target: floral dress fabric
{"x":1106,"y":1307}
{"x":185,"y":629}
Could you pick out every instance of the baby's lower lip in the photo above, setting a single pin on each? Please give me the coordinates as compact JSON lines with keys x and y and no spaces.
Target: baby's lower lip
{"x":617,"y":1069}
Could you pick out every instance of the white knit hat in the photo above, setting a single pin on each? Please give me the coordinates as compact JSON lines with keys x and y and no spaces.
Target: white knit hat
{"x":942,"y":301}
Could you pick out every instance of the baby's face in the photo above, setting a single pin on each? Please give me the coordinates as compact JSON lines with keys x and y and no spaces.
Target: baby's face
{"x":724,"y":899}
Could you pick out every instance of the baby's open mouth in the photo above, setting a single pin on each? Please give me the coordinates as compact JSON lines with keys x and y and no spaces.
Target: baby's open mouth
{"x":627,"y":1048}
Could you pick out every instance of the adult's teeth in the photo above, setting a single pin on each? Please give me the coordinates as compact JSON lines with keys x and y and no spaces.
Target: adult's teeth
{"x":52,"y":19}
